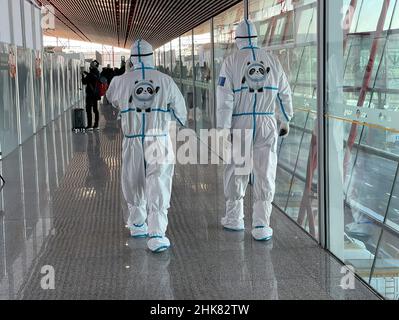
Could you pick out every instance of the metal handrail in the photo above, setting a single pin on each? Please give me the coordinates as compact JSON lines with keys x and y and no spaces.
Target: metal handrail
{"x":368,"y":149}
{"x":302,"y":178}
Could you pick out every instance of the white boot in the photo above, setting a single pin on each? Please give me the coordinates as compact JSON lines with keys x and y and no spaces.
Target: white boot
{"x":158,"y":244}
{"x":262,"y":233}
{"x":139,"y":231}
{"x":234,"y":219}
{"x":233,"y":224}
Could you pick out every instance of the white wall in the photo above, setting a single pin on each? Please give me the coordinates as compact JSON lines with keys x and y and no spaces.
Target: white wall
{"x":5,"y":28}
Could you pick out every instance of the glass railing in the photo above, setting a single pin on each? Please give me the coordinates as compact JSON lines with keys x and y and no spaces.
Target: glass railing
{"x":36,"y":88}
{"x":362,"y":120}
{"x":362,"y":143}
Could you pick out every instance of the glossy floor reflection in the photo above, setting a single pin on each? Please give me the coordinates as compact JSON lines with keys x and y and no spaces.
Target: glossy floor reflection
{"x":62,"y":207}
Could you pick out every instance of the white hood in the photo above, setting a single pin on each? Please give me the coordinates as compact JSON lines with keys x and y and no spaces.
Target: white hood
{"x":142,"y":53}
{"x":246,"y":35}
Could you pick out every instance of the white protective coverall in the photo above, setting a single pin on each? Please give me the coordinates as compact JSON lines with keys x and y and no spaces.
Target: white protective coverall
{"x":148,"y":100}
{"x":252,"y":88}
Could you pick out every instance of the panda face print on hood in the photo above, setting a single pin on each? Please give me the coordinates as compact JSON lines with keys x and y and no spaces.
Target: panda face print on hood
{"x":246,"y":35}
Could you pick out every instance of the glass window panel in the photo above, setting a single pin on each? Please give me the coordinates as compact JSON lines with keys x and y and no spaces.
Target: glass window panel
{"x":168,"y":59}
{"x":311,"y":125}
{"x":161,"y":59}
{"x":385,"y":86}
{"x":17,"y":22}
{"x":360,"y":243}
{"x":224,"y":26}
{"x":362,"y":148}
{"x":280,"y":23}
{"x":5,"y":23}
{"x":176,"y":63}
{"x":305,"y":87}
{"x":393,"y":212}
{"x":395,"y":19}
{"x":69,"y":83}
{"x":28,"y":22}
{"x":56,"y":87}
{"x":306,"y":25}
{"x":302,"y":205}
{"x":283,"y":182}
{"x":38,"y":28}
{"x":8,"y":110}
{"x":290,"y":147}
{"x":303,"y":156}
{"x":63,"y":90}
{"x":357,"y":58}
{"x":367,"y":192}
{"x":290,"y":60}
{"x":279,"y":30}
{"x":66,"y":86}
{"x":204,"y":94}
{"x":355,"y":67}
{"x":368,"y":15}
{"x":385,"y":278}
{"x":186,"y":42}
{"x":224,"y":35}
{"x":37,"y":88}
{"x":160,"y":53}
{"x":25,"y":86}
{"x":187,"y":55}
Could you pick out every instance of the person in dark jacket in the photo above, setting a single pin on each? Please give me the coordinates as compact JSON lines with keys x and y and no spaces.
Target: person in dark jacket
{"x":90,"y":80}
{"x":108,"y":73}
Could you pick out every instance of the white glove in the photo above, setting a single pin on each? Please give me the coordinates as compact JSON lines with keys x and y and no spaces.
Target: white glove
{"x":284,"y":130}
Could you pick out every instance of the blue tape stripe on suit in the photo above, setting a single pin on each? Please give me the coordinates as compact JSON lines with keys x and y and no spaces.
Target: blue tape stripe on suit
{"x":252,"y":113}
{"x":282,"y":108}
{"x":250,"y":40}
{"x":246,"y":88}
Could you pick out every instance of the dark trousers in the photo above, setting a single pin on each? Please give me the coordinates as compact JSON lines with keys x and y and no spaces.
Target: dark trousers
{"x":92,"y":106}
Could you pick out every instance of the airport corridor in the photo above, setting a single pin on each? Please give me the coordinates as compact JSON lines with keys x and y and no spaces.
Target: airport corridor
{"x":63,"y":209}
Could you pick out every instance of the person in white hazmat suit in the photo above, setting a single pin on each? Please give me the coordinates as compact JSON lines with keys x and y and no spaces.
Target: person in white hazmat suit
{"x":148,"y":101}
{"x":253,"y":91}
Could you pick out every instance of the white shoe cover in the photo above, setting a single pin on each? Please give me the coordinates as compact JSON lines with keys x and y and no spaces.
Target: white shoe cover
{"x":158,"y":244}
{"x":233,"y":225}
{"x":139,"y":231}
{"x":262,"y":233}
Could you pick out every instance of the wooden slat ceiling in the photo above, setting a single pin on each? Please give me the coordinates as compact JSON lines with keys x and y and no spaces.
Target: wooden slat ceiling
{"x":120,"y":22}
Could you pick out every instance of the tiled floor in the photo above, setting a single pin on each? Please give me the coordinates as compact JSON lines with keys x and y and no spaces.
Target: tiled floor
{"x":62,"y":207}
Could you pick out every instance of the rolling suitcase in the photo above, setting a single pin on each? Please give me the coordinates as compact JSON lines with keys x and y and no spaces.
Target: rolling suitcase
{"x":78,"y":120}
